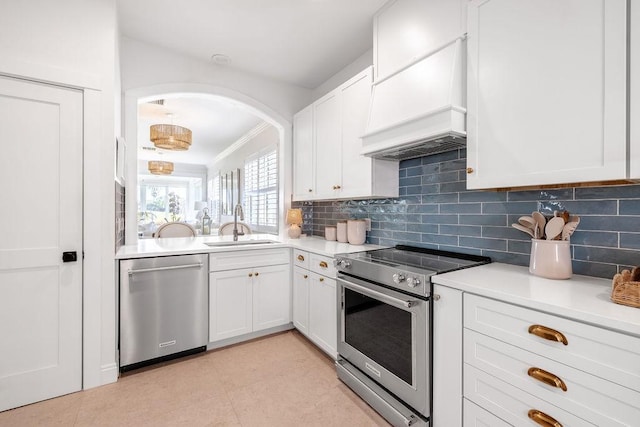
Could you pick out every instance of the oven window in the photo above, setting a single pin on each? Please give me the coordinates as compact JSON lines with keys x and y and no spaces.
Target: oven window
{"x":379,"y":331}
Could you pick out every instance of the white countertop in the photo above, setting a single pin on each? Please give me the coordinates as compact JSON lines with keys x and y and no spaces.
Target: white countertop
{"x":198,"y":245}
{"x":581,"y":298}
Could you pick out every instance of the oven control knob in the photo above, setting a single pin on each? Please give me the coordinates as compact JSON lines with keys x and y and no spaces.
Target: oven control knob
{"x":412,"y":282}
{"x":398,"y":278}
{"x":341,"y":263}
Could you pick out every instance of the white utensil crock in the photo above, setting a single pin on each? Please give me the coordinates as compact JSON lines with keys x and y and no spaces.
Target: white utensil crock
{"x":356,"y":231}
{"x":550,"y":259}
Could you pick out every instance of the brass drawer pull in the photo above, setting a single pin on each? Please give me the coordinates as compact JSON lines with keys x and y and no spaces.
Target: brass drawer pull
{"x":324,"y":264}
{"x":300,"y":258}
{"x":548,"y":334}
{"x":322,"y":279}
{"x":547,"y":378}
{"x":543,"y":419}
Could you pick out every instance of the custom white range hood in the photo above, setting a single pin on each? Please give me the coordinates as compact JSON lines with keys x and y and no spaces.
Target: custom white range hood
{"x":421,"y":108}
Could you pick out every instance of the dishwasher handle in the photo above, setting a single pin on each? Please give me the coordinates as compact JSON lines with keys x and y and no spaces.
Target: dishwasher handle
{"x":172,"y":267}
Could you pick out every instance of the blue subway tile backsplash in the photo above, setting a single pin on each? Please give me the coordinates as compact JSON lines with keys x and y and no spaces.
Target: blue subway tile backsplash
{"x":435,"y":210}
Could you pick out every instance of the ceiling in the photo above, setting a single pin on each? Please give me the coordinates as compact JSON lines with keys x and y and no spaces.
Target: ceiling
{"x":300,"y":42}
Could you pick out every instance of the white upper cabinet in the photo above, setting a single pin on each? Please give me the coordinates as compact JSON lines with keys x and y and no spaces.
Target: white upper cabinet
{"x":303,"y":166}
{"x":634,"y":113}
{"x":340,"y":170}
{"x":547,"y":82}
{"x":405,"y":30}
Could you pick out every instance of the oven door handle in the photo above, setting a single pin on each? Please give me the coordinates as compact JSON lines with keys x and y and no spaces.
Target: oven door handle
{"x":379,"y":295}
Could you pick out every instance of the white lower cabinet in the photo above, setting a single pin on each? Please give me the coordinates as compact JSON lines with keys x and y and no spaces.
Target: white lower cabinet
{"x":323,"y":325}
{"x":314,"y":300}
{"x":249,"y":299}
{"x":475,"y":416}
{"x":526,"y":366}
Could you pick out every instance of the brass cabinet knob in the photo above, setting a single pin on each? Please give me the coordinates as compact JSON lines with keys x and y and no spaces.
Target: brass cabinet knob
{"x":543,"y":419}
{"x":250,"y":274}
{"x":548,"y":334}
{"x":300,"y":258}
{"x":310,"y":190}
{"x":305,"y":276}
{"x":322,"y":279}
{"x":469,"y":170}
{"x":547,"y":378}
{"x":323,"y":264}
{"x":257,"y":274}
{"x":338,"y":187}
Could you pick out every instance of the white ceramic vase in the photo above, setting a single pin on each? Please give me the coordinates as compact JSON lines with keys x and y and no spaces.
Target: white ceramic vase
{"x":356,"y":231}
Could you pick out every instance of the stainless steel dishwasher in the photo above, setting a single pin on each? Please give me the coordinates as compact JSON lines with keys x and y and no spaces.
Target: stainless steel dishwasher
{"x":163,"y":308}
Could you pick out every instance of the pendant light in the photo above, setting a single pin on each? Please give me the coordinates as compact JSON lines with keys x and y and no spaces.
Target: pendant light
{"x":158,"y":167}
{"x":170,"y":136}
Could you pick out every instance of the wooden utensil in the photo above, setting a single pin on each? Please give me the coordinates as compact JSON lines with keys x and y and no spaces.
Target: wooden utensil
{"x":542,"y":221}
{"x":554,"y":227}
{"x":568,"y":229}
{"x":523,"y":228}
{"x":528,"y":222}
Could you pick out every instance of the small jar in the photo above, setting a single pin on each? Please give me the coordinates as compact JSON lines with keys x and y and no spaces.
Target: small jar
{"x":330,"y":232}
{"x":356,"y":231}
{"x":341,"y":235}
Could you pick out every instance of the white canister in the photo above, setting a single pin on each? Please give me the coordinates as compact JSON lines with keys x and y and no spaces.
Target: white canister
{"x":341,"y":235}
{"x":550,"y":259}
{"x":356,"y":231}
{"x":330,"y":232}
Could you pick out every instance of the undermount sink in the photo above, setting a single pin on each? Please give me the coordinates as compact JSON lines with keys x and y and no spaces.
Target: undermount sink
{"x":240,"y":243}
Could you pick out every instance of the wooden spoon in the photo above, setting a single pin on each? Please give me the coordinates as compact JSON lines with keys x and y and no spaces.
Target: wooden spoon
{"x":568,"y":229}
{"x":523,"y":228}
{"x":542,"y":221}
{"x":528,"y":222}
{"x":554,"y":227}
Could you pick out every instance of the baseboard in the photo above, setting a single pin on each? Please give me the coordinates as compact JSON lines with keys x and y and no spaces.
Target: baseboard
{"x":109,"y":373}
{"x":249,"y":336}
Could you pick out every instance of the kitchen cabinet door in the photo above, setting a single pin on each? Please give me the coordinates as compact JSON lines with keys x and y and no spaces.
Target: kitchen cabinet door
{"x":303,"y":164}
{"x":546,"y":92}
{"x":323,"y":323}
{"x":634,"y":90}
{"x":230,"y":303}
{"x":328,"y":145}
{"x":301,"y":299}
{"x":271,"y":296}
{"x":447,"y":357}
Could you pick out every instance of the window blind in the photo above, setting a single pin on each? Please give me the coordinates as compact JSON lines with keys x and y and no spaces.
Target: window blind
{"x":261,"y":191}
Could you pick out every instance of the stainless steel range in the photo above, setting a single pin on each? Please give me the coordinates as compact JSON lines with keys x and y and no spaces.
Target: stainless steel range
{"x":385,"y":328}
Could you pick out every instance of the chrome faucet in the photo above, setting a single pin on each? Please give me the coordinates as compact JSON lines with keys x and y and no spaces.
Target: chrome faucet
{"x":237,"y":211}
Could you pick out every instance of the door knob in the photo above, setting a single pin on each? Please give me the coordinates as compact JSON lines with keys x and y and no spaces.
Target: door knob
{"x":69,"y":256}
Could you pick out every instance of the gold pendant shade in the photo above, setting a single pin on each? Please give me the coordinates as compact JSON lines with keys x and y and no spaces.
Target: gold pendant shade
{"x":157,"y":167}
{"x":170,"y":137}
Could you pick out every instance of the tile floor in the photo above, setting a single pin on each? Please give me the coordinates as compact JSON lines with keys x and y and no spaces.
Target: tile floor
{"x":280,"y":380}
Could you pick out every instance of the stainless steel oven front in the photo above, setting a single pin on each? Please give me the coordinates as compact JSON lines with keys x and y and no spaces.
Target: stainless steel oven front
{"x":386,"y":335}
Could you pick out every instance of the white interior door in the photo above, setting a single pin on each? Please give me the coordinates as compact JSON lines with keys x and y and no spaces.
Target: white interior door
{"x":40,"y":218}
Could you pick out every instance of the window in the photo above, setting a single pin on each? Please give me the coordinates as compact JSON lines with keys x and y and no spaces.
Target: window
{"x":261,"y":191}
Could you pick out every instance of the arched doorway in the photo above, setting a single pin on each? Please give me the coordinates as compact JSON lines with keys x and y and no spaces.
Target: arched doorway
{"x":134,"y":96}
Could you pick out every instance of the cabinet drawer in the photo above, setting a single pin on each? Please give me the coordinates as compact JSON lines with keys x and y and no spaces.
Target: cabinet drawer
{"x":232,"y":260}
{"x":322,"y":265}
{"x":510,"y":403}
{"x":301,"y":258}
{"x":582,"y":394}
{"x":610,"y":355}
{"x":475,"y":416}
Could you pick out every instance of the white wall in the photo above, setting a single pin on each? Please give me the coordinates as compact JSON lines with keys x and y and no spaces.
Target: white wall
{"x":73,"y":43}
{"x":146,"y":65}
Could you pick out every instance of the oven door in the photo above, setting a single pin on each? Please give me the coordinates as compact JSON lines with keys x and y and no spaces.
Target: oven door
{"x":385,"y":334}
